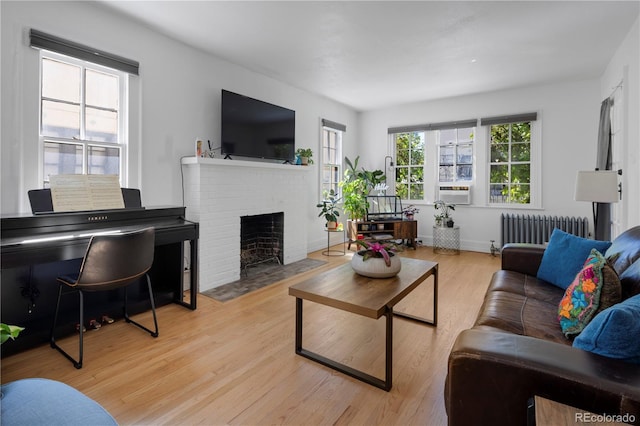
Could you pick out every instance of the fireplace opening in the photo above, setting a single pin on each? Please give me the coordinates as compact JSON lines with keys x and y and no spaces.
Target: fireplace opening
{"x":261,"y":239}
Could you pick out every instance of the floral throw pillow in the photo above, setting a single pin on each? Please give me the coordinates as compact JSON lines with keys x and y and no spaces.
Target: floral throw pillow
{"x":582,"y":298}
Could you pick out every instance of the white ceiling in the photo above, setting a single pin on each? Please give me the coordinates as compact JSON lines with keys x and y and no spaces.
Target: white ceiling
{"x":375,"y":54}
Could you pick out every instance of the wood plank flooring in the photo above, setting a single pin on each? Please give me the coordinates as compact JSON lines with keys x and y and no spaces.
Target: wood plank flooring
{"x":233,"y":363}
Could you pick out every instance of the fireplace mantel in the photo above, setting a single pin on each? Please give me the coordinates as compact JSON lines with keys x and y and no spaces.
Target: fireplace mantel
{"x":219,"y":192}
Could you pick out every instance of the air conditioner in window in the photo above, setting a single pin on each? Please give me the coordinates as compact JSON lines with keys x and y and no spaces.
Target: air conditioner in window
{"x":455,"y":194}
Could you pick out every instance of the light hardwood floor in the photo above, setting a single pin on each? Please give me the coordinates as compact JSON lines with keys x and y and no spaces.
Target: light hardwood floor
{"x":234,"y":363}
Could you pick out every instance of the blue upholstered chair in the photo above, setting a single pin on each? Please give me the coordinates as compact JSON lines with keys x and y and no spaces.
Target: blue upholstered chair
{"x":34,"y":402}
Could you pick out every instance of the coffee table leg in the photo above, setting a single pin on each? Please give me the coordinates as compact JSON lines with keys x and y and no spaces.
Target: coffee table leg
{"x":357,"y":374}
{"x":433,"y":322}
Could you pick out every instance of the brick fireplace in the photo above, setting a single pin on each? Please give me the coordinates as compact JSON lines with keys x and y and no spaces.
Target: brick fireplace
{"x":219,"y":193}
{"x":261,"y":239}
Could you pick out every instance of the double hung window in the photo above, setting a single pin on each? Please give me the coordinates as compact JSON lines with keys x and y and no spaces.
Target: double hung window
{"x":455,"y":154}
{"x":410,"y":164}
{"x":331,"y":157}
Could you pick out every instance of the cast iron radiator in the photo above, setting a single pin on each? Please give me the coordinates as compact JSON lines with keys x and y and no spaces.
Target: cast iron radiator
{"x":534,"y":229}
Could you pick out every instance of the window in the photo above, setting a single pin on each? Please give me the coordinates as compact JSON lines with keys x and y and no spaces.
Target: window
{"x":82,"y":106}
{"x":331,"y":157}
{"x":410,"y":162}
{"x":510,"y":163}
{"x":455,"y":155}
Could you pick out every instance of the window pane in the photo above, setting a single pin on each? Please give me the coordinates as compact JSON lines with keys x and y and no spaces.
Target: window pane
{"x":62,"y":158}
{"x":521,"y":152}
{"x":499,"y":173}
{"x":465,"y":154}
{"x":60,"y":81}
{"x":101,"y":125}
{"x":417,"y":174}
{"x":521,"y":173}
{"x":60,"y":120}
{"x":521,"y":132}
{"x":500,"y":133}
{"x":103,"y":160}
{"x":466,"y":134}
{"x":520,"y":194}
{"x":499,"y":193}
{"x":499,"y":152}
{"x":101,"y":90}
{"x":445,"y":174}
{"x":446,"y":155}
{"x":402,"y":158}
{"x":465,"y":172}
{"x":402,"y":190}
{"x":448,"y":136}
{"x":417,"y":192}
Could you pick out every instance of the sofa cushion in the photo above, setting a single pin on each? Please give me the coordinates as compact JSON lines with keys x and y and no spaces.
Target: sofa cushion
{"x":624,"y":250}
{"x":630,"y":280}
{"x":614,"y":332}
{"x":582,"y":299}
{"x":564,"y":257}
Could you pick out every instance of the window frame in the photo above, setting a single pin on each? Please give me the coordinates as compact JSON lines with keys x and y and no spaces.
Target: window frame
{"x":333,"y":169}
{"x":122,"y":143}
{"x":535,"y":165}
{"x":456,"y":145}
{"x":423,"y":166}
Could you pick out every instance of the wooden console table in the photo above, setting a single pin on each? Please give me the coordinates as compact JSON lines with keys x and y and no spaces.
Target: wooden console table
{"x":397,"y":229}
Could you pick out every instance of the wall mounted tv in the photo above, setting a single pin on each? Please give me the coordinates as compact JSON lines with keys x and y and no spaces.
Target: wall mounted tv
{"x":253,"y":128}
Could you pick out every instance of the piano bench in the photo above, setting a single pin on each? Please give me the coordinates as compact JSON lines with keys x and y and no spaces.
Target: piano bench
{"x":48,"y":402}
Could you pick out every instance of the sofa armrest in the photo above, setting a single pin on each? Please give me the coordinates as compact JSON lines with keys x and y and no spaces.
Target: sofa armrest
{"x":493,"y":374}
{"x":524,"y":258}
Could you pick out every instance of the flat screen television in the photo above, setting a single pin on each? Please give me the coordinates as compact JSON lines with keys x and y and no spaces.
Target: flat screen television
{"x":257,"y":129}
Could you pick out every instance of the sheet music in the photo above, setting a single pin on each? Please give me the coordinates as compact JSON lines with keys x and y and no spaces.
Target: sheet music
{"x":85,"y":192}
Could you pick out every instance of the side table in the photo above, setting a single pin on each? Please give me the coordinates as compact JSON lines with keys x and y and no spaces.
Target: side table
{"x":446,"y":240}
{"x":328,"y":251}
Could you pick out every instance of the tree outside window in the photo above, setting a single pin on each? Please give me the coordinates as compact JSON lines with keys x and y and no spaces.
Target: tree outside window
{"x":510,"y":167}
{"x":331,"y":160}
{"x":409,"y":166}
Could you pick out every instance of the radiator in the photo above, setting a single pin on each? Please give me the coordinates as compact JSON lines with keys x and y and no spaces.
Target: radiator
{"x":517,"y":228}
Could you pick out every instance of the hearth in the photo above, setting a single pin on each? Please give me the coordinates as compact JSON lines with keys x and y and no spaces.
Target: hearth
{"x":261,"y":239}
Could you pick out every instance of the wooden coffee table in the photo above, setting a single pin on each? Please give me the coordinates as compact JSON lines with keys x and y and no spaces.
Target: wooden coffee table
{"x":342,"y":288}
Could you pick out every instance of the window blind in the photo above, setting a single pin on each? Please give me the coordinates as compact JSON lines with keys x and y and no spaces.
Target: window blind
{"x":40,"y":40}
{"x":506,"y":119}
{"x":433,"y":126}
{"x":334,"y":125}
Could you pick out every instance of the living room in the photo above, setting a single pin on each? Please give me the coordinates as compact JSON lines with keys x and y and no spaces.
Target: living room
{"x":176,"y":99}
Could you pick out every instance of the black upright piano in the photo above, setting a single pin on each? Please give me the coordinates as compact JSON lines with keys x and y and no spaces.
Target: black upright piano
{"x":40,"y":247}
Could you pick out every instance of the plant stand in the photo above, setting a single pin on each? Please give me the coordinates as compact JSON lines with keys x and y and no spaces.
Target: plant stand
{"x":328,"y":251}
{"x":446,"y":240}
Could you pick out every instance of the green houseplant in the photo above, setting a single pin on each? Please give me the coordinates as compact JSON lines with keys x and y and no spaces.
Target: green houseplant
{"x":443,"y":218}
{"x":305,"y":155}
{"x":9,"y":332}
{"x":356,"y":186}
{"x":329,"y":209}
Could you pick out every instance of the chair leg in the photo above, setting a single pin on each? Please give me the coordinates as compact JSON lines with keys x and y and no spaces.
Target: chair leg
{"x":77,"y":364}
{"x":153,"y":309}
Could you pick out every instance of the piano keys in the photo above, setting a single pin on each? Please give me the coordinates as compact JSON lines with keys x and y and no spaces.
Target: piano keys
{"x":38,"y":248}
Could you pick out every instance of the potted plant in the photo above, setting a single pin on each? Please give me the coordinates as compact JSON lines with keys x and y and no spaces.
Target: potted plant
{"x":305,"y":155}
{"x":377,"y":259}
{"x":329,"y":209}
{"x":444,"y":218}
{"x":409,"y":211}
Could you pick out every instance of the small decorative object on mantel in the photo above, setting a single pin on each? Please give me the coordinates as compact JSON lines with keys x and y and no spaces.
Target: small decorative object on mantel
{"x":328,"y":209}
{"x":443,"y":219}
{"x":409,"y":211}
{"x":305,"y":155}
{"x":377,"y":260}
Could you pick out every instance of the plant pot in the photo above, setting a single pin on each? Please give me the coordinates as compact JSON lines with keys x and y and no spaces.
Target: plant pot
{"x":375,"y":267}
{"x":408,"y":216}
{"x":450,"y":223}
{"x":332,"y":226}
{"x":304,"y":161}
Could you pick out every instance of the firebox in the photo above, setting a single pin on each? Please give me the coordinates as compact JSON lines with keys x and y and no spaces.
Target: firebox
{"x":261,"y":239}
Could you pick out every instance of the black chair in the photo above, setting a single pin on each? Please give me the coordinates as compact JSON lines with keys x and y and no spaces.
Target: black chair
{"x":110,"y":262}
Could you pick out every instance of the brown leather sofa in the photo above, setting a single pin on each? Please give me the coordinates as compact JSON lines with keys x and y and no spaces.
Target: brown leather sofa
{"x":516,"y":349}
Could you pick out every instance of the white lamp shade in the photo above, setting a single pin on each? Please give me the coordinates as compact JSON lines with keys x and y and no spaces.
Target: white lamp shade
{"x":599,"y":186}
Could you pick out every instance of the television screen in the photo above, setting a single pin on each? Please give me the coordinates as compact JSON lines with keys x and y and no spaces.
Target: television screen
{"x":253,"y":128}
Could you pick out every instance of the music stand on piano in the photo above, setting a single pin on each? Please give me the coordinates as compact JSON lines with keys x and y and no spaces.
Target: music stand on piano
{"x":40,"y":200}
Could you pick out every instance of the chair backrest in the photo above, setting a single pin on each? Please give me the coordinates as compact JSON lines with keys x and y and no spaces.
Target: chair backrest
{"x":40,"y":199}
{"x":116,"y":260}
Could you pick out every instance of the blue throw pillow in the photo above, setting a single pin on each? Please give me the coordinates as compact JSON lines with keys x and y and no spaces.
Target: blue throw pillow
{"x":564,"y":257}
{"x":614,"y":332}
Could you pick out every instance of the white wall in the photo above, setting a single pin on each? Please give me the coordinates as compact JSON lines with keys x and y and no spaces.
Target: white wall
{"x":625,"y":67}
{"x":178,"y":92}
{"x":568,"y":114}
